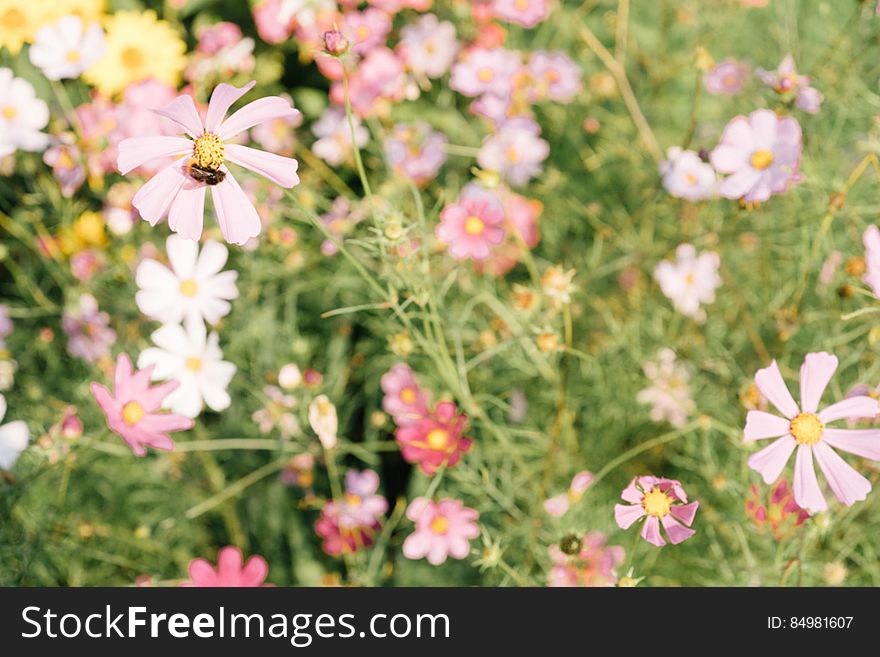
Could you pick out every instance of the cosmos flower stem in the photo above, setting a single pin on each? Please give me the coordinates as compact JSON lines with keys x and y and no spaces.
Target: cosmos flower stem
{"x":695,"y":111}
{"x":330,"y":177}
{"x":622,"y":32}
{"x":362,"y":174}
{"x":235,"y":488}
{"x":382,"y":540}
{"x":633,"y":548}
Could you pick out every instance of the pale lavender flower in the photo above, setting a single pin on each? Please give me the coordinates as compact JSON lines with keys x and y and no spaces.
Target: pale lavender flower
{"x":416,"y":150}
{"x":557,"y":76}
{"x":669,"y":393}
{"x":786,"y":81}
{"x":727,"y":77}
{"x":686,"y":176}
{"x":515,"y":151}
{"x":485,"y":71}
{"x":89,"y":334}
{"x":428,"y":46}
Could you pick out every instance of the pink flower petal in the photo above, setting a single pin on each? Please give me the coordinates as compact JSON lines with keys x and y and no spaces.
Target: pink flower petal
{"x":236,"y":215}
{"x":861,"y":442}
{"x":229,"y":561}
{"x":631,"y":493}
{"x":105,"y":400}
{"x":154,"y":199}
{"x":202,"y":573}
{"x":771,"y":384}
{"x":807,"y":493}
{"x":771,"y":460}
{"x":557,"y":506}
{"x":416,"y":545}
{"x":851,"y":408}
{"x":685,"y":512}
{"x":847,"y":485}
{"x":651,"y":532}
{"x":255,"y":571}
{"x":676,"y":531}
{"x":165,"y":422}
{"x":764,"y":125}
{"x":625,"y":514}
{"x":135,"y":151}
{"x":816,"y":372}
{"x":740,"y":184}
{"x":187,"y":214}
{"x":259,"y":111}
{"x":728,"y":158}
{"x":278,"y":169}
{"x":221,"y":100}
{"x":152,"y":398}
{"x":761,"y":425}
{"x":182,"y":110}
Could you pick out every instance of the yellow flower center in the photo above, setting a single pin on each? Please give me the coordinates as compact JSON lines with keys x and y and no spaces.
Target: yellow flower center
{"x":656,"y":503}
{"x":193,"y":363}
{"x":439,"y":525}
{"x":761,"y":159}
{"x":485,"y":74}
{"x":438,"y":439}
{"x":407,"y":395}
{"x":512,"y":155}
{"x":13,"y":19}
{"x":690,"y":179}
{"x":9,"y":112}
{"x":189,"y":288}
{"x":362,"y":32}
{"x":807,"y":429}
{"x":132,"y":413}
{"x":474,"y":225}
{"x":522,"y":5}
{"x":353,"y":500}
{"x":132,"y":57}
{"x":208,"y":151}
{"x":72,"y":56}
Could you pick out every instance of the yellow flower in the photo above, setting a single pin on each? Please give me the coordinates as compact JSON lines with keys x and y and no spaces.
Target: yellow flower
{"x":139,"y":46}
{"x":90,"y":11}
{"x":19,"y":22}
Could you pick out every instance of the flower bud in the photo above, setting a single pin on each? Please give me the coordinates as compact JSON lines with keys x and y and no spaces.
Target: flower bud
{"x":323,"y":420}
{"x":335,"y":43}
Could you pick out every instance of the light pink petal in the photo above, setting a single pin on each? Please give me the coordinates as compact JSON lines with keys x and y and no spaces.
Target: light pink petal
{"x":202,"y":573}
{"x":847,"y":485}
{"x":764,"y":125}
{"x":416,"y":545}
{"x":135,"y":151}
{"x":557,"y":506}
{"x":685,"y":512}
{"x":458,"y":547}
{"x":771,"y":384}
{"x":105,"y":400}
{"x":651,"y":532}
{"x":861,"y":442}
{"x":816,"y":372}
{"x":153,"y":397}
{"x":625,"y":515}
{"x":182,"y":110}
{"x":229,"y":561}
{"x":122,"y":376}
{"x":278,"y":169}
{"x":761,"y":425}
{"x":254,"y":571}
{"x":154,"y":199}
{"x":165,"y":422}
{"x":771,"y":460}
{"x":631,"y":494}
{"x":187,"y":214}
{"x":807,"y":493}
{"x":727,"y":158}
{"x":236,"y":215}
{"x":853,"y":407}
{"x":676,"y":531}
{"x":438,"y":552}
{"x":259,"y":111}
{"x":221,"y":100}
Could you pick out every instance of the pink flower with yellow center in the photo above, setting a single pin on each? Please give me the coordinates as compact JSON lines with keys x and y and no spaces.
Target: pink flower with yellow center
{"x":443,"y":529}
{"x":231,"y":570}
{"x":404,"y":399}
{"x":527,"y":13}
{"x":660,"y":502}
{"x":805,"y":428}
{"x":473,"y":225}
{"x":178,"y":190}
{"x":131,"y":409}
{"x":434,"y":440}
{"x":593,"y":564}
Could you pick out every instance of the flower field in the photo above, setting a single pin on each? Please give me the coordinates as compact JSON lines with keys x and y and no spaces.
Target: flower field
{"x":414,"y":293}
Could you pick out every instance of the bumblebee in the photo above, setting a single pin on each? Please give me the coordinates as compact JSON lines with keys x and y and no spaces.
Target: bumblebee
{"x":204,"y":174}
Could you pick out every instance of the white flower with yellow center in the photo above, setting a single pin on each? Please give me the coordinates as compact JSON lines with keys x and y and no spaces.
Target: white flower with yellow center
{"x":66,"y":48}
{"x":189,"y":355}
{"x":192,"y":288}
{"x":22,"y":115}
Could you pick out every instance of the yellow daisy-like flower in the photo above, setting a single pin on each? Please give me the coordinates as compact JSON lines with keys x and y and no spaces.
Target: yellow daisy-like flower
{"x":139,"y":46}
{"x":19,"y":22}
{"x":90,"y":11}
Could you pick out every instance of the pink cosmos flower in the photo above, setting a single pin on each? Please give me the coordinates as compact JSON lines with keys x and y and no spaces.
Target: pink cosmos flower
{"x":787,"y":82}
{"x":434,"y":440}
{"x":349,"y":524}
{"x":805,"y":428}
{"x":659,"y":501}
{"x":404,"y":399}
{"x":521,"y":228}
{"x":88,"y":330}
{"x":558,"y":78}
{"x":334,"y":136}
{"x":416,"y":151}
{"x":686,"y":176}
{"x":178,"y":193}
{"x":229,"y":572}
{"x":472,"y":225}
{"x":378,"y":77}
{"x":778,"y":511}
{"x":727,"y":77}
{"x":485,"y":71}
{"x":428,"y":46}
{"x":366,"y":29}
{"x":593,"y":565}
{"x":559,"y":505}
{"x":515,"y":151}
{"x":64,"y":158}
{"x":527,"y":13}
{"x":871,"y":239}
{"x":273,"y":25}
{"x":762,"y":152}
{"x":443,"y":529}
{"x":131,"y":410}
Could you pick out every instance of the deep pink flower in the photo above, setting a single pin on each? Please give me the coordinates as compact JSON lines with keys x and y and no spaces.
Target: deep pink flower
{"x":175,"y":192}
{"x":443,"y":529}
{"x":659,"y":501}
{"x":434,"y":440}
{"x":131,"y":409}
{"x":805,"y":428}
{"x":229,"y":572}
{"x":527,"y":13}
{"x":472,"y":225}
{"x":762,"y":152}
{"x":778,"y":512}
{"x":404,"y":399}
{"x":593,"y":565}
{"x":349,"y":524}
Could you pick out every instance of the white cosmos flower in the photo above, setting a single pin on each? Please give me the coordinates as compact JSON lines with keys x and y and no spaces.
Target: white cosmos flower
{"x":66,"y":48}
{"x":193,"y":288}
{"x":690,"y":280}
{"x":14,"y":439}
{"x":22,"y":115}
{"x":192,"y":357}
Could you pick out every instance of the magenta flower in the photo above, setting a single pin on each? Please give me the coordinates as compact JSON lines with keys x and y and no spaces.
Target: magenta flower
{"x":131,"y":409}
{"x":178,"y":190}
{"x":443,"y":529}
{"x":434,"y":440}
{"x":805,"y":428}
{"x":659,"y":501}
{"x":349,"y":524}
{"x":762,"y":153}
{"x":527,"y":13}
{"x":727,"y":77}
{"x":472,"y":225}
{"x":229,"y":572}
{"x":404,"y":399}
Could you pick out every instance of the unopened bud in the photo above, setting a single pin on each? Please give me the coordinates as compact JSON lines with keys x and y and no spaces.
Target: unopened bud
{"x":335,"y":43}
